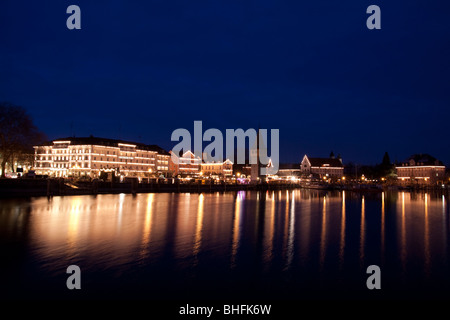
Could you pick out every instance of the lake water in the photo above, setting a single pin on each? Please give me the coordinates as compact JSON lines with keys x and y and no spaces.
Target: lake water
{"x":296,"y":244}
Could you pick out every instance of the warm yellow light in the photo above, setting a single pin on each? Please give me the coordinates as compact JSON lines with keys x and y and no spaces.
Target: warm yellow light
{"x":127,"y":145}
{"x":239,"y":174}
{"x":343,"y":178}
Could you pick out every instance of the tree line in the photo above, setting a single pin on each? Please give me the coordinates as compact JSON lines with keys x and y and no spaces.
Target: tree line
{"x":18,"y":135}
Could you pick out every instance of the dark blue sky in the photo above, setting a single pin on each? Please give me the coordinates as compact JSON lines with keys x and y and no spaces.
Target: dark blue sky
{"x":137,"y":70}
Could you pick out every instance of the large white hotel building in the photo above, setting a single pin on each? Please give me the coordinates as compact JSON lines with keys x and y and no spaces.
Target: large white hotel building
{"x":89,"y":156}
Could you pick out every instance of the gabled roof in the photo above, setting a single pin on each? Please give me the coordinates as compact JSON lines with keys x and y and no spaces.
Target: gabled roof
{"x":324,"y":162}
{"x":188,"y":154}
{"x":228,"y":161}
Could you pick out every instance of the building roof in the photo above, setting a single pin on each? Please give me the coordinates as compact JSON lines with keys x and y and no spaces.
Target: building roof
{"x":422,"y":159}
{"x":187,"y":154}
{"x":111,"y":143}
{"x":289,"y":166}
{"x":325,"y":162}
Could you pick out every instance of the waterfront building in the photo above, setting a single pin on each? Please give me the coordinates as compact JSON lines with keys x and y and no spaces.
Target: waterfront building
{"x":322,"y":167}
{"x":189,"y":165}
{"x":289,"y":170}
{"x":184,"y":165}
{"x":90,"y":156}
{"x":242,"y":170}
{"x":222,"y":169}
{"x":420,"y":169}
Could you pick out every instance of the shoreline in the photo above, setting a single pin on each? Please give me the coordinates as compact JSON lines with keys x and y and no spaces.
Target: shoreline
{"x":10,"y":188}
{"x":20,"y":188}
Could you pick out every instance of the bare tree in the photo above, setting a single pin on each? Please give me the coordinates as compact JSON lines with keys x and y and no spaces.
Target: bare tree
{"x":18,"y":134}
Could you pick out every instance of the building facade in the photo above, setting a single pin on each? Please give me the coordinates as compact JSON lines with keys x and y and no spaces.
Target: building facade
{"x":287,"y":170}
{"x":188,"y":165}
{"x":185,"y":165}
{"x":88,"y":157}
{"x":322,"y":167}
{"x":420,"y":169}
{"x":222,"y":169}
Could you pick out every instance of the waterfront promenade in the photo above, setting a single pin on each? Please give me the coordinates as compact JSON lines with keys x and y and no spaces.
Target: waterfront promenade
{"x":59,"y":187}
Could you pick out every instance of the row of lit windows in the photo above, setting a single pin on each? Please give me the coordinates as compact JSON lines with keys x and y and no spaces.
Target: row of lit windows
{"x":217,"y":166}
{"x":121,"y":160}
{"x":419,"y":169}
{"x":144,"y":154}
{"x":65,"y":165}
{"x":86,"y":165}
{"x":183,"y":165}
{"x":61,"y":158}
{"x":65,"y":151}
{"x":128,"y":153}
{"x":196,"y":163}
{"x":66,"y":158}
{"x":211,"y":168}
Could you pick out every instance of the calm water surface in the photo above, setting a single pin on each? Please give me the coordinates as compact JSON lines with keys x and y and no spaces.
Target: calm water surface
{"x":296,"y":244}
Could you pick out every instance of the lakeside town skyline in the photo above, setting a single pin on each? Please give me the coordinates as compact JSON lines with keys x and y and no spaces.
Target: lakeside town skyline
{"x":123,"y":156}
{"x":312,"y":70}
{"x":25,"y":151}
{"x":167,"y":145}
{"x":324,"y":154}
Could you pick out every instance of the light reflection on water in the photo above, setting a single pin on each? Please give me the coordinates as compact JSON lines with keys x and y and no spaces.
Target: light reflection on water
{"x":283,"y":239}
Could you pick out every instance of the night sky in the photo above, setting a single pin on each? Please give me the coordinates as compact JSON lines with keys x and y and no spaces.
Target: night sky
{"x":137,"y":70}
